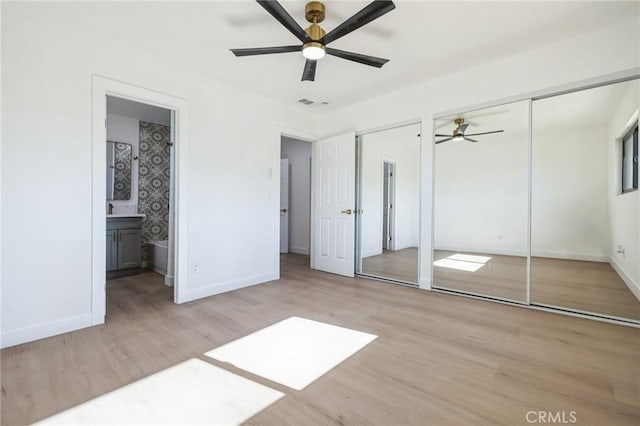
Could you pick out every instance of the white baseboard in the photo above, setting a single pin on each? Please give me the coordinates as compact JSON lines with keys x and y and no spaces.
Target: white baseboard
{"x":157,"y":269}
{"x":482,"y":250}
{"x":41,"y":331}
{"x":402,"y":246}
{"x":224,"y":287}
{"x":633,"y":286}
{"x":169,"y":280}
{"x":370,"y":253}
{"x":299,"y":250}
{"x":519,"y":252}
{"x":571,"y":256}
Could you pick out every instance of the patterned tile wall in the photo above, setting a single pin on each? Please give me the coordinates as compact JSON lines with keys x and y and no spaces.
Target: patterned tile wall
{"x":153,"y":183}
{"x":122,"y":172}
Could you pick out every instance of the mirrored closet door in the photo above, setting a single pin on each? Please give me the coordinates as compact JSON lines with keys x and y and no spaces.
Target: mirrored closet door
{"x":585,"y":214}
{"x":388,"y":211}
{"x":481,"y":202}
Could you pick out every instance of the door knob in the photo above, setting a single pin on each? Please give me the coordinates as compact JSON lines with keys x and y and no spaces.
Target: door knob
{"x":283,"y":210}
{"x":348,"y":211}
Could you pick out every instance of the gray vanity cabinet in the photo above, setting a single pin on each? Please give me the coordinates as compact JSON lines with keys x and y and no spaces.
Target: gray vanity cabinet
{"x":112,"y":251}
{"x":124,"y":245}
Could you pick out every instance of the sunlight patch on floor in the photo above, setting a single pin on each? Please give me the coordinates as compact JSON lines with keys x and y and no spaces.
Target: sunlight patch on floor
{"x":293,"y":352}
{"x":469,"y":258}
{"x":463,"y":262}
{"x":192,"y":392}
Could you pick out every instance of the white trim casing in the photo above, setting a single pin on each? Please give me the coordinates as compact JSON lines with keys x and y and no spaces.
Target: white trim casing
{"x":101,"y":87}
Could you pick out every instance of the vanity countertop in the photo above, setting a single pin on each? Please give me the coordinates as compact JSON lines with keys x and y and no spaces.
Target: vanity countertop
{"x":126,"y":215}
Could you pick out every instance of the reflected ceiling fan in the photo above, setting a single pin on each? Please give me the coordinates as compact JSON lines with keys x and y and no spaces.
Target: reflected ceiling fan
{"x":459,"y":135}
{"x":314,"y":40}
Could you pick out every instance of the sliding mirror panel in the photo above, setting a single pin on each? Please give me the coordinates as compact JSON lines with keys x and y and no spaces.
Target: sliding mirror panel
{"x":481,"y":202}
{"x":585,"y":213}
{"x":389,"y":204}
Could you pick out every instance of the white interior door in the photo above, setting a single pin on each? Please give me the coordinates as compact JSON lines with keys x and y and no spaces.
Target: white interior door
{"x":284,"y":206}
{"x":334,"y":182}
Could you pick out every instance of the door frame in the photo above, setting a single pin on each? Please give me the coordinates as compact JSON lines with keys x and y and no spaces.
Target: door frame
{"x":285,"y":162}
{"x":301,"y":135}
{"x":391,"y":194}
{"x":101,"y":88}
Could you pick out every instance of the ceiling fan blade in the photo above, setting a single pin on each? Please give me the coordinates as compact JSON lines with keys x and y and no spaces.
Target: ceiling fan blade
{"x":357,"y":57}
{"x":485,"y":133}
{"x":370,"y":12}
{"x":443,"y":140}
{"x":442,"y":136}
{"x":469,"y":139}
{"x":309,"y":73}
{"x":277,"y":11}
{"x":462,"y":127}
{"x":265,"y":50}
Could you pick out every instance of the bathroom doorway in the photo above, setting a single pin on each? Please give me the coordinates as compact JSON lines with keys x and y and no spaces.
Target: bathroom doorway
{"x":139,"y":207}
{"x":129,"y":100}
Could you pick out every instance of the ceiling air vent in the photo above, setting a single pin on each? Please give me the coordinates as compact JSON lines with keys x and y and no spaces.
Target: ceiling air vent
{"x":308,"y":102}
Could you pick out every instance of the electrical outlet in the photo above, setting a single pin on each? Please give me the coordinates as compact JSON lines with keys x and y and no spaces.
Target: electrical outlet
{"x":196,"y":268}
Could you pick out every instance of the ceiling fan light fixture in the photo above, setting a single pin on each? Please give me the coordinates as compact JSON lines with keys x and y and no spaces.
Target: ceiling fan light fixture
{"x":458,"y":138}
{"x":313,"y":50}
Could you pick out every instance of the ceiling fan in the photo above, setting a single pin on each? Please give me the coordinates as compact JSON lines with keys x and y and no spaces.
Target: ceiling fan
{"x":314,"y":39}
{"x":459,"y":135}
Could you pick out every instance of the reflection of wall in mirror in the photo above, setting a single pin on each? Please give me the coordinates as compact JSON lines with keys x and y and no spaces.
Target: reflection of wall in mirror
{"x":624,"y":209}
{"x":569,"y":218}
{"x":402,"y":147}
{"x":481,"y":189}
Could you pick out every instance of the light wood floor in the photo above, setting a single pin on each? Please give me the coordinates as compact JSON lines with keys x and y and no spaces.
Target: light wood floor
{"x":504,"y":277}
{"x":585,"y":286}
{"x":439,"y":360}
{"x":396,"y":265}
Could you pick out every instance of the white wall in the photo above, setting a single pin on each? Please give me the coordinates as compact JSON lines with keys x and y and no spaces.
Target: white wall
{"x":569,"y":215}
{"x":48,"y":59}
{"x":624,"y":209}
{"x":401,"y":146}
{"x":126,"y":130}
{"x":601,"y":52}
{"x":299,"y":155}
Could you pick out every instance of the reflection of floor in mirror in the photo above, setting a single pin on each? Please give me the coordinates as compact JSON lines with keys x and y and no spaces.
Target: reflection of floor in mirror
{"x":399,"y":265}
{"x":586,"y":286}
{"x":492,"y":275}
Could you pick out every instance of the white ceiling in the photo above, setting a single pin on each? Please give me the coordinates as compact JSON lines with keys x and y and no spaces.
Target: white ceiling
{"x":422,"y":40}
{"x":139,"y":111}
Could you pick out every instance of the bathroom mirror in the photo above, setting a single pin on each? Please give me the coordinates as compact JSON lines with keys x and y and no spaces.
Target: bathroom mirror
{"x":481,"y":202}
{"x":118,"y":171}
